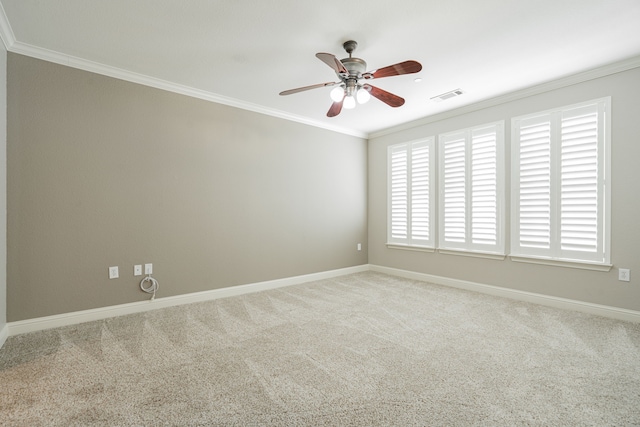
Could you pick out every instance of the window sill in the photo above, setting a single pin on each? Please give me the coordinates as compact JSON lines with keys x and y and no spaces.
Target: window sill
{"x":410,"y":247}
{"x":487,"y":255}
{"x":584,"y":265}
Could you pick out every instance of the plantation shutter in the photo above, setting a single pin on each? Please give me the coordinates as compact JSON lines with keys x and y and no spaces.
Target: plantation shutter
{"x":559,"y":184}
{"x":470,"y":189}
{"x":484,"y":187}
{"x":579,"y":214}
{"x":454,"y":186}
{"x":399,"y":198}
{"x":420,"y":209}
{"x":534,"y":184}
{"x":410,"y":196}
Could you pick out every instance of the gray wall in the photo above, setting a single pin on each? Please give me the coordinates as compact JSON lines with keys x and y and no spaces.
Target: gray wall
{"x":589,"y":286}
{"x":3,"y":186}
{"x":103,"y":172}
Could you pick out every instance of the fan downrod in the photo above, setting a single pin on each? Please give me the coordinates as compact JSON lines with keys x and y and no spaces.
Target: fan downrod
{"x":350,"y":46}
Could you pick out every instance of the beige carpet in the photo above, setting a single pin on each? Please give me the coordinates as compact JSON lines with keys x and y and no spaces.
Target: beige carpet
{"x":364,"y":350}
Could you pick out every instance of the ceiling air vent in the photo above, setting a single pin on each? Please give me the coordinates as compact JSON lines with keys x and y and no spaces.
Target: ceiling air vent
{"x":447,"y":95}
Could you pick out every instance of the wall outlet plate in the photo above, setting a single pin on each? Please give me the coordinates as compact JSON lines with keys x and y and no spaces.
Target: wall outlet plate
{"x":624,"y":274}
{"x":137,"y":270}
{"x":113,"y":272}
{"x":148,"y":268}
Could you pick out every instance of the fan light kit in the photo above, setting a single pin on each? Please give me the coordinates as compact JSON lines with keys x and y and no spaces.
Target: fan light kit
{"x":351,"y":71}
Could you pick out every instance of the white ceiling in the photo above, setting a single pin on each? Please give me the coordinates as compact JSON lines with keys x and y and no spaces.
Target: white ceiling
{"x":244,"y":52}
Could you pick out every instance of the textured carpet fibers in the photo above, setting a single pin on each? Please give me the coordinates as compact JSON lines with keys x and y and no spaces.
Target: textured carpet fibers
{"x":360,"y":350}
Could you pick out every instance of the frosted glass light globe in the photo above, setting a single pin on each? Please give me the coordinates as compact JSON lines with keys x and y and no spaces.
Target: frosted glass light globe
{"x":363,"y":96}
{"x":337,"y":93}
{"x":349,"y":102}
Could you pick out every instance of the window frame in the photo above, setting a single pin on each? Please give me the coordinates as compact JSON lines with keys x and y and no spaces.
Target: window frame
{"x":468,"y":247}
{"x":409,"y":242}
{"x":555,"y":255}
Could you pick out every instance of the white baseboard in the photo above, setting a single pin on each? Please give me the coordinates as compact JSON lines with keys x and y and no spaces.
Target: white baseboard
{"x":547,"y":300}
{"x":4,"y":334}
{"x":66,"y":319}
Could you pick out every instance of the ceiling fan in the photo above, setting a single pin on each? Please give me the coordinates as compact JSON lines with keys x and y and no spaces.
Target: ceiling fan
{"x":351,"y":71}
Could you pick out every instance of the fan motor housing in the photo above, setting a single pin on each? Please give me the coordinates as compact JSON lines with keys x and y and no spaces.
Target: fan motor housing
{"x":355,"y":66}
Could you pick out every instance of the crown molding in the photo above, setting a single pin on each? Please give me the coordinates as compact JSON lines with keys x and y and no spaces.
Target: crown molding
{"x":6,"y":33}
{"x":130,"y":76}
{"x":603,"y":71}
{"x":12,"y":45}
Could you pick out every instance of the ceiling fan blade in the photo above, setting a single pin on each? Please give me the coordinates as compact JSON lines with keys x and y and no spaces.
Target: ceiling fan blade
{"x":335,"y":109}
{"x":302,"y":89}
{"x":406,"y":67}
{"x":332,"y":62}
{"x":384,"y":96}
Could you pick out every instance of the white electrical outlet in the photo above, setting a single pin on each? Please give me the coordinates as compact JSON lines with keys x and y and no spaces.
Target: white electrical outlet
{"x":137,"y":270}
{"x":148,"y":268}
{"x":113,"y":272}
{"x":359,"y":246}
{"x":624,"y":274}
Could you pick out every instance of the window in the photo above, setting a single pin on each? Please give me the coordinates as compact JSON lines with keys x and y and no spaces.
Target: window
{"x":471,"y":189}
{"x":560,"y":185}
{"x":410,"y":177}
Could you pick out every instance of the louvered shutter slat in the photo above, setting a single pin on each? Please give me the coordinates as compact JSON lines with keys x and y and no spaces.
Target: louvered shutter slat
{"x":535,"y":186}
{"x":409,"y":193}
{"x":579,"y":178}
{"x":420,"y":192}
{"x":484,"y":203}
{"x":399,"y":200}
{"x":454,"y":191}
